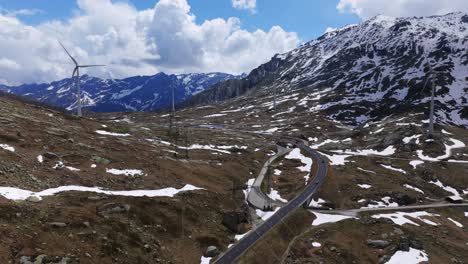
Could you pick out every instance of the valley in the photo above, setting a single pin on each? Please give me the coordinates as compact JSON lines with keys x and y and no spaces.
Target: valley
{"x":320,"y":155}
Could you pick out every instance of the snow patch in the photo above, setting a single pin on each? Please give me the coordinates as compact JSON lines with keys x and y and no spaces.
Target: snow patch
{"x":401,"y":218}
{"x":328,"y":218}
{"x":107,"y":133}
{"x":388,"y":167}
{"x":413,"y":256}
{"x":131,"y":173}
{"x":413,"y":188}
{"x":7,"y":147}
{"x":19,"y":194}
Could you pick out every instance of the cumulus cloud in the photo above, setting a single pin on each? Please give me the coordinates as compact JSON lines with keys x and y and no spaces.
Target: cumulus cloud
{"x":401,"y":8}
{"x":245,"y":4}
{"x":133,"y":42}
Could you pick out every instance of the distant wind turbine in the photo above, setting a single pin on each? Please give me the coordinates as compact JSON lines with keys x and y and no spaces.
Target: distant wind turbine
{"x":77,"y":72}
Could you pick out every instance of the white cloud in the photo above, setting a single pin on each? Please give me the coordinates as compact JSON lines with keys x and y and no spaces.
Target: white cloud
{"x":20,"y":12}
{"x":133,"y":42}
{"x":245,"y":4}
{"x":401,"y":8}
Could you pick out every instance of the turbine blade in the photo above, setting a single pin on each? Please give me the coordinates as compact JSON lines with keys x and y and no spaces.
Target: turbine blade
{"x":74,"y":72}
{"x":88,"y":66}
{"x":71,"y":57}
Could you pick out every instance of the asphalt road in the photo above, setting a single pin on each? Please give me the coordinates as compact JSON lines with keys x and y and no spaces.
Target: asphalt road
{"x":233,"y":253}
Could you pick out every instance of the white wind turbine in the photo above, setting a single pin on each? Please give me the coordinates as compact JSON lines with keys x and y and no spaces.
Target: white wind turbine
{"x":77,"y":72}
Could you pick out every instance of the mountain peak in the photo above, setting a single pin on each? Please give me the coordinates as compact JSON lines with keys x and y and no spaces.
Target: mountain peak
{"x":362,"y":72}
{"x":138,"y":93}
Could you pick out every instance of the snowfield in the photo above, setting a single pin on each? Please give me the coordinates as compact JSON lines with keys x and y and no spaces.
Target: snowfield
{"x":448,"y":151}
{"x":413,"y":256}
{"x":297,"y":155}
{"x":107,"y":133}
{"x":328,"y":218}
{"x":131,"y":173}
{"x":7,"y":147}
{"x":402,"y":218}
{"x":20,"y":194}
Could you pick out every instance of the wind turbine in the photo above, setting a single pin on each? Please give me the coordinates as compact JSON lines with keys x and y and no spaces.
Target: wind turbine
{"x":77,"y":72}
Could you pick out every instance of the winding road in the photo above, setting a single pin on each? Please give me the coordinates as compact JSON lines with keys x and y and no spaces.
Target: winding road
{"x":256,"y":198}
{"x":233,"y":253}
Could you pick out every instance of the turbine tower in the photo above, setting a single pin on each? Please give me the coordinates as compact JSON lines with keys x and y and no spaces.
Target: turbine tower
{"x":77,"y":83}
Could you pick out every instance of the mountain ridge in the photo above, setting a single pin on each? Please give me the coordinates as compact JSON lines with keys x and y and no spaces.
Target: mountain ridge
{"x":363,"y":70}
{"x":137,"y":93}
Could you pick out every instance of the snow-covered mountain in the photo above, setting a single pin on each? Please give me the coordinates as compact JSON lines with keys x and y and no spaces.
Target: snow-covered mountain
{"x":140,"y":93}
{"x":367,"y":71}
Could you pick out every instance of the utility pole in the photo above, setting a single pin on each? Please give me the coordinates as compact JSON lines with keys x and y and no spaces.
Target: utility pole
{"x":173,"y":100}
{"x":431,"y":117}
{"x":274,"y":98}
{"x":430,"y":130}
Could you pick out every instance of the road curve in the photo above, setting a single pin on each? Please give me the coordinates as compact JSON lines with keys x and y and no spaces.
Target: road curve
{"x":256,"y":198}
{"x":233,"y":253}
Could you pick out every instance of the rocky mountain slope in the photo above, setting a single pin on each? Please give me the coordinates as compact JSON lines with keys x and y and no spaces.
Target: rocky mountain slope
{"x":363,"y":72}
{"x":140,"y":93}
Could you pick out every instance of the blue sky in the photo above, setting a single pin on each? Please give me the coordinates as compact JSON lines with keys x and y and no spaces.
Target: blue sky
{"x":309,"y":18}
{"x":144,"y":37}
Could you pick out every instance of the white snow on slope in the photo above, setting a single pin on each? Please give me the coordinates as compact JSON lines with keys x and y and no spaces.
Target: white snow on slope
{"x":446,"y":132}
{"x":131,"y":173}
{"x":296,"y":154}
{"x":388,"y":167}
{"x":107,"y":133}
{"x":205,"y":260}
{"x":327,"y":141}
{"x":456,"y":194}
{"x":274,"y":195}
{"x":455,"y":222}
{"x":413,"y":256}
{"x":448,"y":151}
{"x":365,"y":186}
{"x":220,"y":149}
{"x":416,"y":163}
{"x":413,"y":188}
{"x":407,"y":140}
{"x":40,"y":158}
{"x":60,"y":165}
{"x":316,"y":203}
{"x":383,"y":203}
{"x":7,"y":147}
{"x":366,"y":152}
{"x":328,"y":218}
{"x":368,"y":171}
{"x":337,"y":160}
{"x":401,"y":218}
{"x":20,"y":194}
{"x":316,"y":244}
{"x":215,"y":115}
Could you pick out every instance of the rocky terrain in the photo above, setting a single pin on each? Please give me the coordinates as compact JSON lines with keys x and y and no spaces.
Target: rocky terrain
{"x":156,"y":187}
{"x":361,"y":72}
{"x":139,"y":93}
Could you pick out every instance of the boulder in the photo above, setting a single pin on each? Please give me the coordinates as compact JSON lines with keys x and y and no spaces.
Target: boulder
{"x":33,"y":199}
{"x":212,"y":251}
{"x":378,"y":243}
